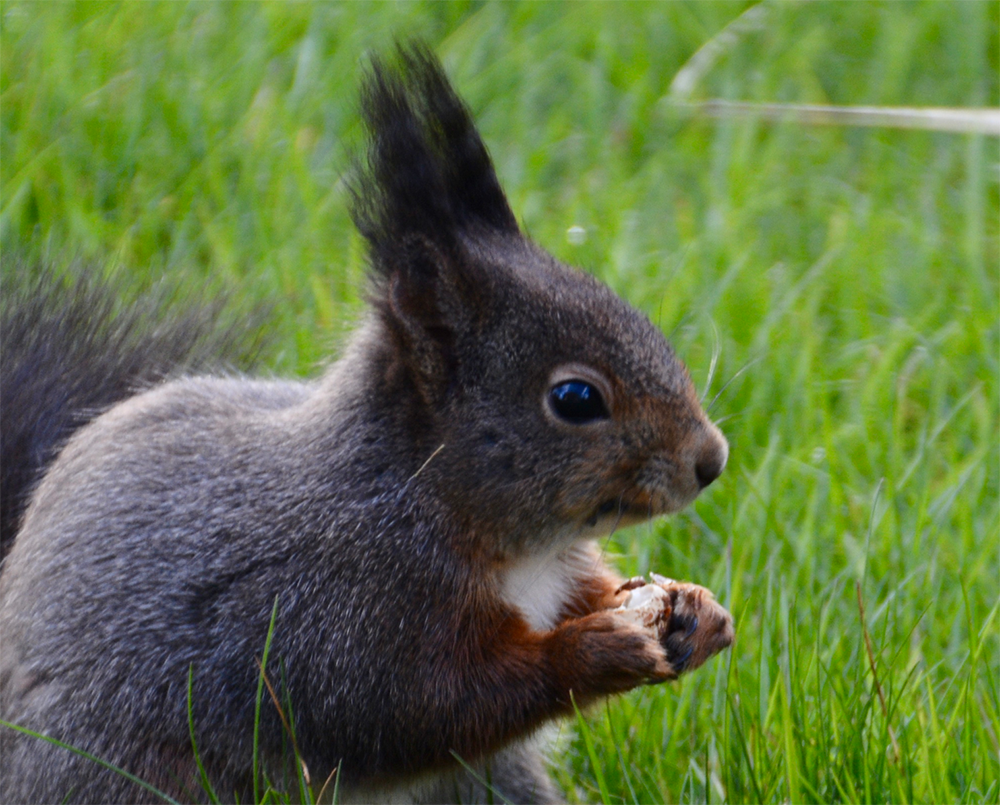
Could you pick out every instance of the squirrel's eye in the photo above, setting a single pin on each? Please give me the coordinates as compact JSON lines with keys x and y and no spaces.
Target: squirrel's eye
{"x":578,"y":402}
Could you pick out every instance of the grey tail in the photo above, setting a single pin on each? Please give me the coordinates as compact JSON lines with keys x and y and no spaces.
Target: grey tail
{"x":71,"y":350}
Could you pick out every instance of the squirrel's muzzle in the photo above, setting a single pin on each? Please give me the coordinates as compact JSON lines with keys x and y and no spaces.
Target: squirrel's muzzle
{"x":711,"y":457}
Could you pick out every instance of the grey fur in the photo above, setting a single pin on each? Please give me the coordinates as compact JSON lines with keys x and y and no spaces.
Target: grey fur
{"x":379,"y":506}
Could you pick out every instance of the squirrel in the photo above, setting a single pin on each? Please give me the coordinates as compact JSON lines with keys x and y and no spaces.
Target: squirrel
{"x":421,"y":521}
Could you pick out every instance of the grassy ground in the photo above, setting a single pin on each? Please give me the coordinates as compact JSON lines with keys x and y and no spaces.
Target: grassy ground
{"x":834,"y":291}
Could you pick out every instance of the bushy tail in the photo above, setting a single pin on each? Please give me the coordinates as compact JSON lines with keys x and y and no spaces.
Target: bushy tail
{"x":70,"y":349}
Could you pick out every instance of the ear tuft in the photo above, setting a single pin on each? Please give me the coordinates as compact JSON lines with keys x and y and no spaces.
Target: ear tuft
{"x":427,"y":171}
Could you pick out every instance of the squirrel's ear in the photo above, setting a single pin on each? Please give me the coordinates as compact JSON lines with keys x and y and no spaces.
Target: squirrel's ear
{"x":426,"y":187}
{"x":428,"y":302}
{"x":427,"y":170}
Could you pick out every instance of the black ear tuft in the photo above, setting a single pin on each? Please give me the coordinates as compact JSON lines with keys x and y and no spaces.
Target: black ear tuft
{"x":428,"y":172}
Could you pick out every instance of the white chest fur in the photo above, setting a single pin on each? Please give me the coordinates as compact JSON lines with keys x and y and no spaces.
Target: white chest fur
{"x":540,"y":585}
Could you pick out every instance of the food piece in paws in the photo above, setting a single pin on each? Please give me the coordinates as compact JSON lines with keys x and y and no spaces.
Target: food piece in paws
{"x":686,"y":619}
{"x":648,"y":606}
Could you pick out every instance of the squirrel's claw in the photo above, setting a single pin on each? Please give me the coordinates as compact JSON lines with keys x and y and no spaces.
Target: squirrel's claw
{"x":699,"y":627}
{"x":633,"y":583}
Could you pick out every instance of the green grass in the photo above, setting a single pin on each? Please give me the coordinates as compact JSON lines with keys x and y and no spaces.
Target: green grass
{"x":837,"y":288}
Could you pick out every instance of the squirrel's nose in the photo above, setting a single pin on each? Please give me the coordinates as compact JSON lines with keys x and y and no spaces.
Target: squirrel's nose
{"x":712,"y":458}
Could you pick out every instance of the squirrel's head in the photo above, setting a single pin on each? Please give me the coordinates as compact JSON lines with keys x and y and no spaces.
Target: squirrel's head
{"x":556,"y":409}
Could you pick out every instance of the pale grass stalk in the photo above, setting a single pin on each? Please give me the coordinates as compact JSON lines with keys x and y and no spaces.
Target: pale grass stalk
{"x":955,"y":120}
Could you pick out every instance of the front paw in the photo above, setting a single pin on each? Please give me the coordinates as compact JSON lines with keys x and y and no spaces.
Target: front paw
{"x":604,"y":653}
{"x":689,"y":623}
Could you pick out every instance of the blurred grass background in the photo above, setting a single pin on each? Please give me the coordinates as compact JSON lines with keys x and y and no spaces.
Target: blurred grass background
{"x":834,"y":291}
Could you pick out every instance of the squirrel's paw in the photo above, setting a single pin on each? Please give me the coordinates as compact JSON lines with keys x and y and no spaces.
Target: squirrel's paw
{"x":604,"y":653}
{"x":686,"y":619}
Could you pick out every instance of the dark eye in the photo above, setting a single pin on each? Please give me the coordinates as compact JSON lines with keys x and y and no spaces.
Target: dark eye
{"x":578,"y":402}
